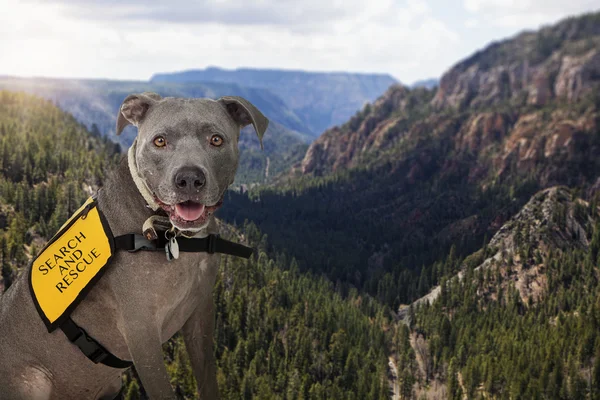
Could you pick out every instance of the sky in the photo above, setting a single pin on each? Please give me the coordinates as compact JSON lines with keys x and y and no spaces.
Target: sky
{"x":133,"y":39}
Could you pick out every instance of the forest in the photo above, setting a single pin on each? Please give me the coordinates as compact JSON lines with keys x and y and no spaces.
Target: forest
{"x":484,"y":339}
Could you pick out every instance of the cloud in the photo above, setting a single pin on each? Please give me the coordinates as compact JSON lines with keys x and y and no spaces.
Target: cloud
{"x":471,"y":23}
{"x":527,"y":13}
{"x":227,"y":12}
{"x":131,"y":39}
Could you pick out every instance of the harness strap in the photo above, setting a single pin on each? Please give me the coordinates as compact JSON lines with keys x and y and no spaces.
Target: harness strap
{"x":133,"y":242}
{"x":90,"y":347}
{"x":210,"y":244}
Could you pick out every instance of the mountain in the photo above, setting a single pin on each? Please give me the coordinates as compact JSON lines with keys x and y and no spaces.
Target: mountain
{"x":96,"y":102}
{"x":381,"y":201}
{"x":507,"y":322}
{"x":400,"y":202}
{"x":553,"y":220}
{"x":320,"y":99}
{"x":426,"y":83}
{"x":559,"y":62}
{"x":522,"y":99}
{"x":495,"y":142}
{"x":378,"y":126}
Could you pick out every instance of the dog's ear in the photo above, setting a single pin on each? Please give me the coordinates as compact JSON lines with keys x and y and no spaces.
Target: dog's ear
{"x":134,"y":108}
{"x":244,"y":113}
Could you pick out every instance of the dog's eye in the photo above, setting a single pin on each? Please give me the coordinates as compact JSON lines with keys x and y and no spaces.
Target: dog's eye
{"x":160,"y":141}
{"x":216,"y":140}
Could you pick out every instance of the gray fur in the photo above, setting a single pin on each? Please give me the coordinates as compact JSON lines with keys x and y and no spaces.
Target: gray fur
{"x":142,"y":300}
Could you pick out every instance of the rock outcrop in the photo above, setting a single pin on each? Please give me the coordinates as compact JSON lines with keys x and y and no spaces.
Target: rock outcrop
{"x":551,"y":221}
{"x":377,"y":126}
{"x":527,"y":107}
{"x":559,"y":62}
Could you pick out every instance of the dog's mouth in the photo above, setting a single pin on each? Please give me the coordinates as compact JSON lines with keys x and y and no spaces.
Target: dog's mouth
{"x":188,"y":213}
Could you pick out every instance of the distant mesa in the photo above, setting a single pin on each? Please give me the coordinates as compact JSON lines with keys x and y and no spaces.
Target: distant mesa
{"x":320,"y":99}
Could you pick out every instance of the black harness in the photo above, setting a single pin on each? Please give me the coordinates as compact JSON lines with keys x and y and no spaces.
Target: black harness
{"x":132,"y":243}
{"x":210,"y":244}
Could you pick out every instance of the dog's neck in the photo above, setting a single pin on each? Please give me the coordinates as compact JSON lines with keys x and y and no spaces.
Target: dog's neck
{"x":137,"y":179}
{"x":122,"y":203}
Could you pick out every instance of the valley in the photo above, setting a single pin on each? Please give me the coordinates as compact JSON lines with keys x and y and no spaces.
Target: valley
{"x":419,"y":192}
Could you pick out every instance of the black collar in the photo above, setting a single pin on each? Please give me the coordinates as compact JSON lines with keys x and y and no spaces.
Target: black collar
{"x":211,"y":244}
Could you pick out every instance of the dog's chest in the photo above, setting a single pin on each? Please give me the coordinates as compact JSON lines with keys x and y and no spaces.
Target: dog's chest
{"x":173,"y":281}
{"x":192,"y":284}
{"x":170,"y":289}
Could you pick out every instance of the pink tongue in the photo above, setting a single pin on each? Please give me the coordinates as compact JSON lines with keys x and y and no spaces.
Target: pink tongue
{"x":189,"y":211}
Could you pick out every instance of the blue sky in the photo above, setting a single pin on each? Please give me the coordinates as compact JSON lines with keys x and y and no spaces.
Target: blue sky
{"x":132,"y":39}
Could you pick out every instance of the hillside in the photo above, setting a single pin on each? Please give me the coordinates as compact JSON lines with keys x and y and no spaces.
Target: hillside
{"x":551,"y":221}
{"x":559,"y":62}
{"x":524,"y":98}
{"x":321,"y":100}
{"x":380,"y":201}
{"x":377,"y":126}
{"x":496,"y":142}
{"x":96,"y":102}
{"x":50,"y":165}
{"x":505,"y":326}
{"x":279,"y":332}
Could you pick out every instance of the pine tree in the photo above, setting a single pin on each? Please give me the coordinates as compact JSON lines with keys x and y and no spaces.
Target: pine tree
{"x":6,"y":270}
{"x":133,"y":391}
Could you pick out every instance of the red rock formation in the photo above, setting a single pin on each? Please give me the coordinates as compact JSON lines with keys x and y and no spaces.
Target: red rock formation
{"x":562,"y":62}
{"x":523,"y":105}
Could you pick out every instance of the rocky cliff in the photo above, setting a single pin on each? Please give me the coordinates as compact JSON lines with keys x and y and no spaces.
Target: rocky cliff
{"x":527,"y":105}
{"x":519,"y":306}
{"x":552,"y":221}
{"x":377,"y":126}
{"x":558,"y":62}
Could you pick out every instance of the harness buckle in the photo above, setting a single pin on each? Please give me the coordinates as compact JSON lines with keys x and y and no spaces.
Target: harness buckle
{"x":212,"y":244}
{"x":90,"y":348}
{"x":141,"y":243}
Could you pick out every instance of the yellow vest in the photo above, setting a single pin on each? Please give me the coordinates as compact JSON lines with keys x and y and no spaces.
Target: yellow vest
{"x":70,"y":264}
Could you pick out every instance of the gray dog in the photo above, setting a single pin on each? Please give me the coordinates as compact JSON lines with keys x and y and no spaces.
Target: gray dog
{"x":186,"y":155}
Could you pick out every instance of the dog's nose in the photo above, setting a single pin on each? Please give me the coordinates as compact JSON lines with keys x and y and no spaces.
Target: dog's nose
{"x":190,"y":178}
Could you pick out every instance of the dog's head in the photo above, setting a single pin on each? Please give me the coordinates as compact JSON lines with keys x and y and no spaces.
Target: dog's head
{"x":187,"y":150}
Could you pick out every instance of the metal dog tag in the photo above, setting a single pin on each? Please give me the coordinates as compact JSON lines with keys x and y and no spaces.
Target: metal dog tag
{"x":174,"y":248}
{"x":168,"y":252}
